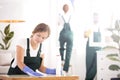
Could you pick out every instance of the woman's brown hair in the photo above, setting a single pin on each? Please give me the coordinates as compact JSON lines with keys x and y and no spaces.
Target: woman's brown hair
{"x":42,"y":27}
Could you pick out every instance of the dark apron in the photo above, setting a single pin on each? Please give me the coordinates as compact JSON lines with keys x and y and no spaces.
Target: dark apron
{"x":91,"y":60}
{"x":32,"y":62}
{"x":66,"y":33}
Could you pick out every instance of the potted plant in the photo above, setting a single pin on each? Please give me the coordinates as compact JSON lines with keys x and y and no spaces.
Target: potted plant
{"x":6,"y":37}
{"x":115,"y":56}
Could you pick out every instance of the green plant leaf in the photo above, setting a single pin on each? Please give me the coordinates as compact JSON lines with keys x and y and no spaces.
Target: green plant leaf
{"x":109,"y":47}
{"x":111,"y":55}
{"x":117,"y":25}
{"x":9,"y":36}
{"x":7,"y":29}
{"x":8,"y":45}
{"x":114,"y":59}
{"x":5,"y":41}
{"x":115,"y":38}
{"x":114,"y":67}
{"x":6,"y":37}
{"x":110,"y":29}
{"x":1,"y":46}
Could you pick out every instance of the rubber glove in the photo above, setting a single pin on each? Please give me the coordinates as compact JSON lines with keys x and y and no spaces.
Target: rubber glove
{"x":51,"y":71}
{"x":30,"y":72}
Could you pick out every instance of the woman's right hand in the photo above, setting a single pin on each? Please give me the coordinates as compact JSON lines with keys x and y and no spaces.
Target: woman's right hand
{"x":30,"y":72}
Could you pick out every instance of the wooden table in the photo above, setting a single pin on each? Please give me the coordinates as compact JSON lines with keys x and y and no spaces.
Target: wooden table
{"x":23,"y":77}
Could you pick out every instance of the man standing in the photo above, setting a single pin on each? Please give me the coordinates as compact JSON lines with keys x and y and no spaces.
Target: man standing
{"x":91,"y":61}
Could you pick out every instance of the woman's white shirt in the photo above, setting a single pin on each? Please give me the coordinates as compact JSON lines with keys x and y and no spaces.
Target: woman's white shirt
{"x":23,"y":44}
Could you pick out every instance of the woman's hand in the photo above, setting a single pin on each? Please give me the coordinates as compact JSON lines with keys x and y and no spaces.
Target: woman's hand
{"x":30,"y":72}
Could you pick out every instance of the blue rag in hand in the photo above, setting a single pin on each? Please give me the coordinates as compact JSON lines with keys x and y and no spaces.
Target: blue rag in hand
{"x":30,"y":72}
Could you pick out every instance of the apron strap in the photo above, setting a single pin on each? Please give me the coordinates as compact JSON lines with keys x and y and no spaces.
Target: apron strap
{"x":66,"y":24}
{"x":39,"y":51}
{"x":28,"y":49}
{"x":64,"y":19}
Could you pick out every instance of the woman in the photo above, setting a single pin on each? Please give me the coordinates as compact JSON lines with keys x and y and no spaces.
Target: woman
{"x":65,"y":37}
{"x":28,"y":54}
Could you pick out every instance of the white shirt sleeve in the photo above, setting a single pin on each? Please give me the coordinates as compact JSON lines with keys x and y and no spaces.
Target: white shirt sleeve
{"x":22,"y":42}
